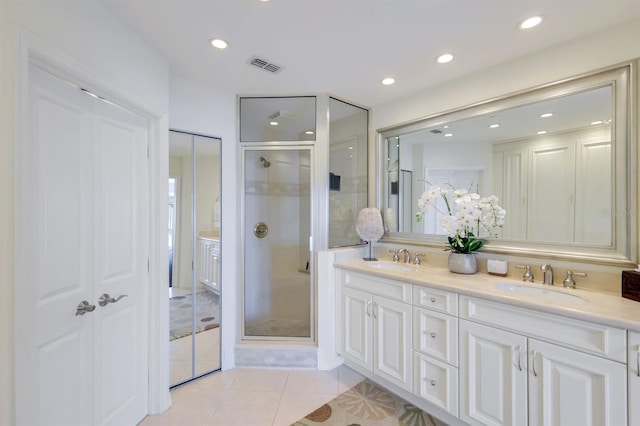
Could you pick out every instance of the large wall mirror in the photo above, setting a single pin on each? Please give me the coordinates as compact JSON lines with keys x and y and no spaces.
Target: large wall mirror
{"x":561,"y":158}
{"x":194,"y":255}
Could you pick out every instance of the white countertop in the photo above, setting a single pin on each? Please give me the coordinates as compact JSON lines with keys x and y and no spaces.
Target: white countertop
{"x":602,"y":308}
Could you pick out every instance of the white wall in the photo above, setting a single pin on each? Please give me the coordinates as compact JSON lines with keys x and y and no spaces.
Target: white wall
{"x":103,"y":49}
{"x":204,"y":110}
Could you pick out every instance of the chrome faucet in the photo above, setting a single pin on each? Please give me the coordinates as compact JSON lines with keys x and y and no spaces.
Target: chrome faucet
{"x":407,"y":255}
{"x":548,"y":274}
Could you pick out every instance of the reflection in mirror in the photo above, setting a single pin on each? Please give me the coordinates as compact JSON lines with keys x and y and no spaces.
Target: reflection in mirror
{"x":348,"y":136}
{"x":194,"y":255}
{"x":550,"y":156}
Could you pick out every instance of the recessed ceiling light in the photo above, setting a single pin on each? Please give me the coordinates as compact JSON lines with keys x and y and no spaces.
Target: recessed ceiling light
{"x":530,"y":22}
{"x":445,"y":127}
{"x":219,"y":43}
{"x":542,"y":132}
{"x":443,"y":59}
{"x":448,"y":135}
{"x":595,"y":123}
{"x":493,"y":126}
{"x":308,"y":132}
{"x":273,"y":123}
{"x":388,"y":81}
{"x":546,"y":115}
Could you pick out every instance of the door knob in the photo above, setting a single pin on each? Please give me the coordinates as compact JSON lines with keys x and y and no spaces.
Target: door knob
{"x":84,"y":307}
{"x":105,"y":299}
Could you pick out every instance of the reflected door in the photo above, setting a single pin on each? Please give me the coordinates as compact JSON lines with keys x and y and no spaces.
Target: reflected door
{"x":277,"y":230}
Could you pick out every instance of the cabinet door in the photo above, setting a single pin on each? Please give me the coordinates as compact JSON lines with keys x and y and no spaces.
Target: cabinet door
{"x":567,"y":387}
{"x":493,"y":376}
{"x":356,"y":334}
{"x":392,"y":341}
{"x":634,"y":378}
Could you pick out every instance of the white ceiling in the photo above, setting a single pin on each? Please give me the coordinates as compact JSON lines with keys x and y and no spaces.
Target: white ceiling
{"x":346,"y":47}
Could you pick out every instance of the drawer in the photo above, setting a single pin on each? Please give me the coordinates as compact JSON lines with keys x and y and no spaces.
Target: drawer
{"x":435,"y":334}
{"x":436,"y":382}
{"x":391,"y":289}
{"x":601,"y":340}
{"x":437,"y":300}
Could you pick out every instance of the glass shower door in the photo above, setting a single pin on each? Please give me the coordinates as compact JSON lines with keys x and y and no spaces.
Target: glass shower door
{"x":278,"y":291}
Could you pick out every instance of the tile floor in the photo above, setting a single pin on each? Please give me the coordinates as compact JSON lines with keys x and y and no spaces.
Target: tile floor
{"x":253,"y":397}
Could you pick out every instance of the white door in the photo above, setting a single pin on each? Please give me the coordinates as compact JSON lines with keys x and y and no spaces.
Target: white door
{"x":634,"y":378}
{"x":493,"y":376}
{"x":571,"y":388}
{"x":356,"y":334}
{"x":392,"y":341}
{"x":81,"y":234}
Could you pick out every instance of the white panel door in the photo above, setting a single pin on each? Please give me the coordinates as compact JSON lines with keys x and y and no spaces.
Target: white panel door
{"x":634,"y":378}
{"x":392,"y":357}
{"x":493,"y":376}
{"x":356,"y":334}
{"x":550,"y":214}
{"x":594,"y":201}
{"x":82,"y":184}
{"x":571,"y":388}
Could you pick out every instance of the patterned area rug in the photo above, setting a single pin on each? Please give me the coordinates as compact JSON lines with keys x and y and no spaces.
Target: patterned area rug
{"x":207,"y":305}
{"x":367,"y":404}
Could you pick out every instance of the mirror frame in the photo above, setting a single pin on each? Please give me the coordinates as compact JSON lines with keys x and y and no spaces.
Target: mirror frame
{"x":623,"y":251}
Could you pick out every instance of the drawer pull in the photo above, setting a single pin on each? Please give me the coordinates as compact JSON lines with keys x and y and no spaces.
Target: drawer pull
{"x":433,"y":382}
{"x":368,"y":308}
{"x":533,"y":363}
{"x":434,"y":300}
{"x":638,"y":361}
{"x":433,"y":335}
{"x":375,"y":308}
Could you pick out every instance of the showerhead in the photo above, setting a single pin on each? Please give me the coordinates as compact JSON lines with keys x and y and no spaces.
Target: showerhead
{"x":265,"y":163}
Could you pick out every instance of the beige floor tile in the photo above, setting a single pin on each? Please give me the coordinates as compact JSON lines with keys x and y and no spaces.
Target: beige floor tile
{"x":244,"y":408}
{"x":217,"y":381}
{"x":295,"y":405}
{"x":348,"y":378}
{"x":255,"y":379}
{"x":313,"y":381}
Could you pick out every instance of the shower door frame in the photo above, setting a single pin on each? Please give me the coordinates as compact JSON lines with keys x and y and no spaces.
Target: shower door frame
{"x":279,"y":146}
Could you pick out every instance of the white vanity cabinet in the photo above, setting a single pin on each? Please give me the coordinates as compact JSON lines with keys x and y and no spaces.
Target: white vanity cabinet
{"x":565,"y":385}
{"x":493,"y":376}
{"x":633,"y":378}
{"x":208,"y":263}
{"x":435,"y":347}
{"x":568,"y":387}
{"x":376,"y":326}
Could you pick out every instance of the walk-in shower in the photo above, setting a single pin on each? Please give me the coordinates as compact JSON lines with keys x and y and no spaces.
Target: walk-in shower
{"x":277,"y":280}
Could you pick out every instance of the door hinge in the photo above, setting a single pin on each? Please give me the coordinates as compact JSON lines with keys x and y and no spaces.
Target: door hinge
{"x":148,"y":149}
{"x":148,"y":265}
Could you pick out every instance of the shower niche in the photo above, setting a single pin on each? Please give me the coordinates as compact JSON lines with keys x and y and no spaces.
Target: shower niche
{"x":289,"y":148}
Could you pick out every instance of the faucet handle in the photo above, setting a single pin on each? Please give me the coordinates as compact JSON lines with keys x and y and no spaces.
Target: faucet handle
{"x":569,"y":281}
{"x":528,"y":275}
{"x":396,"y":257}
{"x":416,"y":258}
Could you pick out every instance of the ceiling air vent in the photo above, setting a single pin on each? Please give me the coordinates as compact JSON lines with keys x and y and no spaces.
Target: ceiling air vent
{"x":264,"y":64}
{"x":435,"y":131}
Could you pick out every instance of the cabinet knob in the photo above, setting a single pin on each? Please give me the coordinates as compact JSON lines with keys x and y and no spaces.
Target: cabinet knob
{"x":433,"y":382}
{"x":433,"y":335}
{"x":433,"y":300}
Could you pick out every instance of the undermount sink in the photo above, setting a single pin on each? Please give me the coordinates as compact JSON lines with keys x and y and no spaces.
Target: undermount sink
{"x":390,"y":266}
{"x":541,"y":293}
